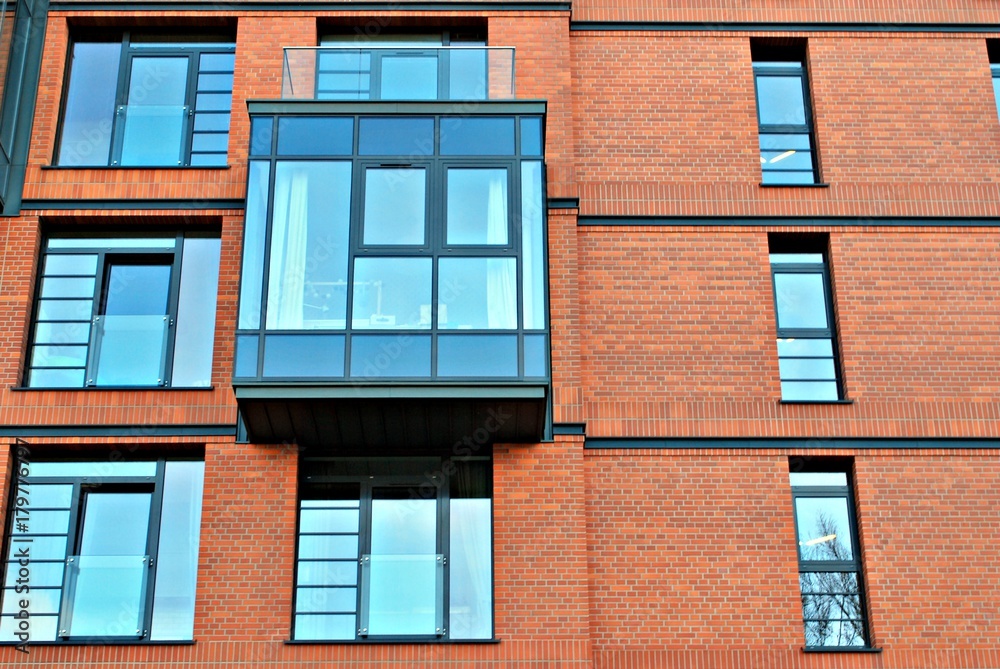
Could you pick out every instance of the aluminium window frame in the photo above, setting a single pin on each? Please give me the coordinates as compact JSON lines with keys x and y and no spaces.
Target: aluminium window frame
{"x":192,"y":50}
{"x":854,"y":566}
{"x":435,"y":476}
{"x":829,"y":332}
{"x":105,"y":259}
{"x":796,"y":67}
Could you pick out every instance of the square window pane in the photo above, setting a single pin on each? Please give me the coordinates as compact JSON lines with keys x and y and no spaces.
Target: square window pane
{"x":130,"y":350}
{"x":823,"y":526}
{"x":107,"y":596}
{"x":477,"y":294}
{"x":780,"y":100}
{"x":800,"y":300}
{"x":395,"y":206}
{"x":391,"y":293}
{"x":407,"y":77}
{"x":477,"y":206}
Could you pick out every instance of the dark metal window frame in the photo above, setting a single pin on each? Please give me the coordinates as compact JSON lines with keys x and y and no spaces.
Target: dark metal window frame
{"x":822,"y":269}
{"x":81,"y":486}
{"x":165,"y":49}
{"x":796,"y":67}
{"x":434,"y":248}
{"x":419,"y":478}
{"x":105,"y":258}
{"x":835,"y":566}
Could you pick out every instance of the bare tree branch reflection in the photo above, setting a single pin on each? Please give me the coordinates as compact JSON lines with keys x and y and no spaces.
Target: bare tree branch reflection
{"x":831,"y":600}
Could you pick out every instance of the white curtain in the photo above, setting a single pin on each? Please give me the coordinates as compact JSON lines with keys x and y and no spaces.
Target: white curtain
{"x":472,"y":559}
{"x":501,"y":273}
{"x":531,"y":242}
{"x":286,"y":289}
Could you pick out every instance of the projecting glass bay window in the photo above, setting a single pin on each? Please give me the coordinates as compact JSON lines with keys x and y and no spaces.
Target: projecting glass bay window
{"x":423,"y":236}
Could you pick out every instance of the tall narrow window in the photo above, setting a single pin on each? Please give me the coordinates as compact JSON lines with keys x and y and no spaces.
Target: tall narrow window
{"x":833,"y":601}
{"x":803,"y":304}
{"x":394,"y":548}
{"x":993,"y":48}
{"x":784,"y":116}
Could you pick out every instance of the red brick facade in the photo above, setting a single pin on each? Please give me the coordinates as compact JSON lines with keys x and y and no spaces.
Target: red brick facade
{"x":660,"y":553}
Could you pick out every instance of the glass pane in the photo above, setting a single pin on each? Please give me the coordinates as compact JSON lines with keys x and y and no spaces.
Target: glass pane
{"x":215,"y":83}
{"x":82,"y":287}
{"x":307,"y":286}
{"x":213,"y":102}
{"x":85,"y":133}
{"x":796,"y":369}
{"x":65,"y":310}
{"x":996,"y":87}
{"x":94,"y":470}
{"x":536,"y":353}
{"x":115,"y":523}
{"x":210,"y":142}
{"x":328,"y":520}
{"x":391,"y":293}
{"x":814,"y":391}
{"x":194,"y":337}
{"x":395,"y":206}
{"x":470,"y":136}
{"x":315,"y":136}
{"x":217,"y":62}
{"x":41,"y":574}
{"x":329,"y":547}
{"x":477,"y":294}
{"x":817,"y":478}
{"x":322,"y":628}
{"x":400,"y":136}
{"x":780,"y":100}
{"x":255,"y":228}
{"x":533,"y":245}
{"x":787,"y":178}
{"x":211,"y":122}
{"x":130,"y":350}
{"x":327,"y":573}
{"x":471,"y":563}
{"x":785,"y":141}
{"x":49,"y":495}
{"x":390,"y":356}
{"x":796,"y":258}
{"x":70,"y":265}
{"x":409,"y":77}
{"x":153,"y":135}
{"x":786,"y":160}
{"x":832,"y":609}
{"x":112,"y":243}
{"x":477,"y":355}
{"x":106,"y":596}
{"x":261,"y":130}
{"x":800,"y":300}
{"x":834,"y":633}
{"x":42,"y":600}
{"x":43,"y":522}
{"x":824,"y":528}
{"x":477,"y":206}
{"x":158,"y":81}
{"x":403,"y":524}
{"x":177,"y":555}
{"x":819,"y":348}
{"x":137,"y":290}
{"x":62,"y":333}
{"x":246,"y":356}
{"x":531,"y":136}
{"x":403,"y":594}
{"x":43,"y":628}
{"x":467,"y":75}
{"x":59,"y":356}
{"x":306,"y":356}
{"x":326,"y":600}
{"x":56,"y":378}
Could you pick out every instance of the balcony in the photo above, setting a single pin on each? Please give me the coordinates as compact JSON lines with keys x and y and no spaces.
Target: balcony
{"x":398,"y":73}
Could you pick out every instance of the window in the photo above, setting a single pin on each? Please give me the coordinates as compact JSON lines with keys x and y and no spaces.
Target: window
{"x":400,"y":247}
{"x":784,"y":117}
{"x":833,"y":602}
{"x":803,"y":304}
{"x":147,"y":100}
{"x":136,"y":311}
{"x":993,"y":48}
{"x":111,"y":550}
{"x":405,"y":66}
{"x":394,"y":548}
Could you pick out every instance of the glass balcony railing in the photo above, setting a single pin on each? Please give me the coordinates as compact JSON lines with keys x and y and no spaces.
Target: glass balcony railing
{"x":398,"y":73}
{"x":129,"y":350}
{"x":104,"y":595}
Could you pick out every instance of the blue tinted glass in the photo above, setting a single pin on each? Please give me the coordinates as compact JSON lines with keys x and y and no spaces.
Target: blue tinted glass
{"x":390,"y":356}
{"x":531,"y":136}
{"x":467,"y":136}
{"x":261,"y":129}
{"x":800,"y":300}
{"x":536,"y":355}
{"x":315,"y":136}
{"x":467,"y":74}
{"x":410,"y":77}
{"x":134,"y":290}
{"x":399,"y":136}
{"x":477,"y":355}
{"x":780,"y":100}
{"x":85,"y":137}
{"x":246,"y":356}
{"x":317,"y":356}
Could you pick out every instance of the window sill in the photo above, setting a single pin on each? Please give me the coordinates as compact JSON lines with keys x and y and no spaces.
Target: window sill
{"x":819,"y":185}
{"x":117,"y":388}
{"x":391,"y":641}
{"x":117,"y":168}
{"x":815,"y":401}
{"x":839,"y":649}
